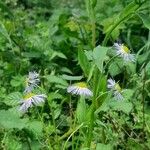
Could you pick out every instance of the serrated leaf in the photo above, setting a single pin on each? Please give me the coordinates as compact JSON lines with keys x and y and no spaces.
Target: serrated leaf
{"x":56,"y":79}
{"x":54,"y":95}
{"x":10,"y":119}
{"x":124,"y":106}
{"x":13,"y":98}
{"x":17,"y":81}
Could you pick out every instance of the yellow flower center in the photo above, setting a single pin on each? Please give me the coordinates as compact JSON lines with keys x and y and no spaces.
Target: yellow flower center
{"x":29,"y":95}
{"x":125,"y":49}
{"x":81,"y":85}
{"x":117,"y":87}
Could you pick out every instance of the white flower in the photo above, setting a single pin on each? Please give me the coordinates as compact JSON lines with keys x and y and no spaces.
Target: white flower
{"x":79,"y":89}
{"x":117,"y":91}
{"x":31,"y":99}
{"x":32,"y":81}
{"x":124,"y":52}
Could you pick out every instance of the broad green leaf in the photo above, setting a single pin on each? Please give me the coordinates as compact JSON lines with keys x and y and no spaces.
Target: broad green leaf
{"x":146,"y":20}
{"x":115,"y":67}
{"x":17,"y":81}
{"x":123,"y":105}
{"x":83,"y":61}
{"x":10,"y":119}
{"x":81,"y":110}
{"x":13,"y":98}
{"x":99,"y":55}
{"x":35,"y":126}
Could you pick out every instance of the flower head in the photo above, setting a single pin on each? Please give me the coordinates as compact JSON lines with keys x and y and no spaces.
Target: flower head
{"x":32,"y":81}
{"x":124,"y":52}
{"x":31,"y":99}
{"x":79,"y":88}
{"x":115,"y":87}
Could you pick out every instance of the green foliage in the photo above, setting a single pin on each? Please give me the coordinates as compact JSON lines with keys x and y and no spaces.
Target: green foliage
{"x":67,"y":42}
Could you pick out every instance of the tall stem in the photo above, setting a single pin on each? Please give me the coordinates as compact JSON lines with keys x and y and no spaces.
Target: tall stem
{"x":91,"y":11}
{"x":143,"y":101}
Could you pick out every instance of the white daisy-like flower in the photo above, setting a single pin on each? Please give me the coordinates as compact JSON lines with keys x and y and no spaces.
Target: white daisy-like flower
{"x":32,"y":81}
{"x":79,"y":89}
{"x":31,"y":99}
{"x":115,"y":87}
{"x":124,"y":52}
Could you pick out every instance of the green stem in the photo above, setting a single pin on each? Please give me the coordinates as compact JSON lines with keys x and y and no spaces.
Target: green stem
{"x":74,"y":131}
{"x":91,"y":10}
{"x":112,"y":29}
{"x":93,"y":31}
{"x":117,"y":23}
{"x":92,"y":110}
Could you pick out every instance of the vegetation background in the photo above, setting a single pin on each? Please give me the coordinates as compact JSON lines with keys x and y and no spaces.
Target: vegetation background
{"x":68,"y":41}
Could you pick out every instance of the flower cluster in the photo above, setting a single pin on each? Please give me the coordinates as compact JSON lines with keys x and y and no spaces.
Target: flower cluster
{"x":81,"y":88}
{"x":30,"y":99}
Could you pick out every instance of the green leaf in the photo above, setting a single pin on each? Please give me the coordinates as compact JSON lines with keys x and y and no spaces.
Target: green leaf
{"x":71,"y":78}
{"x":130,"y":8}
{"x":57,"y":112}
{"x":54,"y":95}
{"x":10,"y":119}
{"x":11,"y":142}
{"x":81,"y":111}
{"x":115,"y":67}
{"x":99,"y":55}
{"x":101,"y":146}
{"x":31,"y":54}
{"x":4,"y":32}
{"x":58,"y":54}
{"x":83,"y":61}
{"x":123,"y":105}
{"x":148,"y":69}
{"x":146,"y":20}
{"x":17,"y":81}
{"x":56,"y":79}
{"x":35,"y":126}
{"x":13,"y":98}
